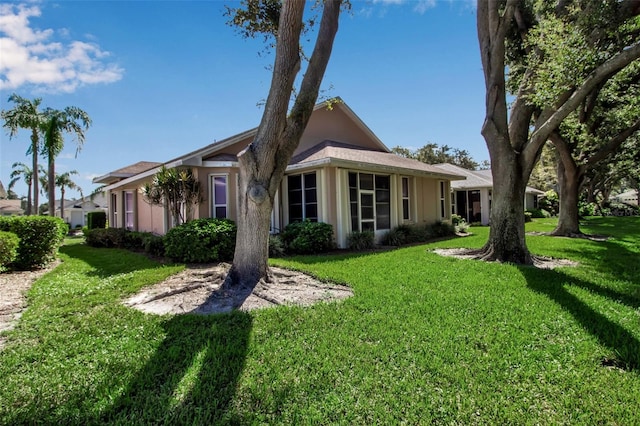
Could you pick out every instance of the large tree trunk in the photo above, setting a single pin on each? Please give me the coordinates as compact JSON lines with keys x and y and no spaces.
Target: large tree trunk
{"x":34,"y":173}
{"x":568,"y":190}
{"x":264,"y":161}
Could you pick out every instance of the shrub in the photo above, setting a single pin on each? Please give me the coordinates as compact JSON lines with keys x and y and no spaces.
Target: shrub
{"x":276,"y":246}
{"x":440,"y":229}
{"x":201,"y":240}
{"x":395,"y":237}
{"x":134,"y":240}
{"x":462,"y":226}
{"x":550,"y":202}
{"x":308,"y":237}
{"x":361,"y":240}
{"x":154,"y":245}
{"x":9,"y":243}
{"x":40,"y":237}
{"x":96,"y":220}
{"x":527,"y":216}
{"x":105,"y":237}
{"x":539,"y":213}
{"x":455,"y":219}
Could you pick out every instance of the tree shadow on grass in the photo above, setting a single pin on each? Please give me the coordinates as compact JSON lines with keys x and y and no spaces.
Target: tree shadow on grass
{"x":192,"y":376}
{"x":610,"y":334}
{"x":109,"y":261}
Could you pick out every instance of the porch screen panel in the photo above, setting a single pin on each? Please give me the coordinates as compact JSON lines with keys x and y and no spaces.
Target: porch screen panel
{"x":383,"y":202}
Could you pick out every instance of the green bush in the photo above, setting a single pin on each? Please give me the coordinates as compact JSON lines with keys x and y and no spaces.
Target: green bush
{"x":40,"y":237}
{"x":361,"y":240}
{"x":539,"y":213}
{"x":440,"y":229}
{"x":9,"y":243}
{"x":276,"y":246}
{"x":106,"y":237}
{"x":96,"y":220}
{"x":154,"y":245}
{"x":308,"y":237}
{"x":134,"y":240}
{"x":201,"y":241}
{"x":455,"y":219}
{"x":527,"y":216}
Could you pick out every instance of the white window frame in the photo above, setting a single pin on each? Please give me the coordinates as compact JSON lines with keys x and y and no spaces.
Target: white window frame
{"x":304,"y":195}
{"x":406,"y":197}
{"x":129,"y":210}
{"x":442,"y":208}
{"x":213,"y":202}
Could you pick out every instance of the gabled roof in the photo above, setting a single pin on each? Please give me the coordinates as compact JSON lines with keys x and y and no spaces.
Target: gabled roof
{"x":343,"y":154}
{"x":476,"y":179}
{"x":125,"y":172}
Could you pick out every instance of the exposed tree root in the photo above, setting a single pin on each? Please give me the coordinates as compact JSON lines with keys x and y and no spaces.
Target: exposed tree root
{"x":537,"y":261}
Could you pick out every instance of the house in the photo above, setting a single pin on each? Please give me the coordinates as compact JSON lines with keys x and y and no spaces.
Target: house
{"x":340,"y":174}
{"x":471,"y":198}
{"x":627,"y":197}
{"x":75,"y":211}
{"x":11,"y":208}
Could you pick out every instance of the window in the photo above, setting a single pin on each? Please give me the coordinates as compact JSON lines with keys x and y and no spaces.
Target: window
{"x":128,"y":210}
{"x":405,"y":199}
{"x":443,"y":203}
{"x":219,"y":196}
{"x":369,"y":201}
{"x":303,"y":197}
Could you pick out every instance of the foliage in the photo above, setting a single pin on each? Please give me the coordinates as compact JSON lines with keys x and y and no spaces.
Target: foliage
{"x":455,"y":219}
{"x":40,"y":238}
{"x":440,"y":229}
{"x":201,"y":241}
{"x":431,"y":153}
{"x":177,"y":189}
{"x":527,"y":216}
{"x":154,"y":245}
{"x":96,"y":219}
{"x":586,"y":209}
{"x":9,"y":243}
{"x":307,"y":237}
{"x":426,"y":340}
{"x":544,"y":176}
{"x":549,"y":202}
{"x":105,"y":237}
{"x":539,"y":213}
{"x":361,"y":240}
{"x":276,"y":246}
{"x":462,"y":226}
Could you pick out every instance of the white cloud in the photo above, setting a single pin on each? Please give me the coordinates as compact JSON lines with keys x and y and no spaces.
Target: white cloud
{"x":30,"y":56}
{"x":424,"y":5}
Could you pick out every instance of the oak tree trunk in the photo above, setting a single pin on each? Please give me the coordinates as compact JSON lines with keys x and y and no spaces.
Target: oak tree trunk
{"x":263,"y":163}
{"x":568,"y":189}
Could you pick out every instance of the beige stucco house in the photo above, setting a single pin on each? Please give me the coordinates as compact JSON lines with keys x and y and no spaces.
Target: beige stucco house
{"x":341,"y":174}
{"x":75,"y":211}
{"x":471,"y":198}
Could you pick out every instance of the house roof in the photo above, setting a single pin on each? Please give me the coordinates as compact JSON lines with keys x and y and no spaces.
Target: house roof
{"x":339,"y":153}
{"x":377,"y":154}
{"x":9,"y":207}
{"x":125,"y":172}
{"x":475,"y":179}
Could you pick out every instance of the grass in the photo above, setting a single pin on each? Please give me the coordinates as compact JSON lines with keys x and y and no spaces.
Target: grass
{"x":425,"y":339}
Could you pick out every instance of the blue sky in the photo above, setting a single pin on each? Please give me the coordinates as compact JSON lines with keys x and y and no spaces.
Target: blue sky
{"x":160,"y":79}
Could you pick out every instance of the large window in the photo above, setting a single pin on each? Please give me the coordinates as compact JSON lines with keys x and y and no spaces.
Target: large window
{"x":370,"y":201}
{"x":219,"y":197}
{"x":303,"y":197}
{"x":128,"y":210}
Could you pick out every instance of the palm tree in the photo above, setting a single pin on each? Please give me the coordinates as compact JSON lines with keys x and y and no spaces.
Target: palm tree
{"x":22,"y":170}
{"x":25,"y":115}
{"x":57,"y":122}
{"x":64,"y":181}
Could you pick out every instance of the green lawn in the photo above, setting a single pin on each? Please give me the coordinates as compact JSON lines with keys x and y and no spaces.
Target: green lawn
{"x":425,"y":339}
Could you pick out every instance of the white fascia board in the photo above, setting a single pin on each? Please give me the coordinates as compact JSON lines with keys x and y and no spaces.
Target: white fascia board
{"x":219,"y":164}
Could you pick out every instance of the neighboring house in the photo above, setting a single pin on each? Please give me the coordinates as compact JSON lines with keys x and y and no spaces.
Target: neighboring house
{"x":10,"y":208}
{"x":627,"y":197}
{"x":340,"y":174}
{"x":75,"y":211}
{"x":471,"y":198}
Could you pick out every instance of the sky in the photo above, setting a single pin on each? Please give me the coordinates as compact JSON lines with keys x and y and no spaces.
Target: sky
{"x":163,"y":78}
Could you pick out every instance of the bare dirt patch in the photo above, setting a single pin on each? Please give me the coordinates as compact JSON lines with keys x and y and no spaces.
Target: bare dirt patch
{"x":13,"y":287}
{"x":541,"y":262}
{"x":198,"y":290}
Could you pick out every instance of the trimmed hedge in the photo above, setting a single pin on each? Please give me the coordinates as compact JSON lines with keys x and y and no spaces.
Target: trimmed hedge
{"x":201,"y":241}
{"x":364,"y":240}
{"x":105,"y":237}
{"x":96,"y":220}
{"x":308,"y":237}
{"x":40,"y":237}
{"x":9,"y":243}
